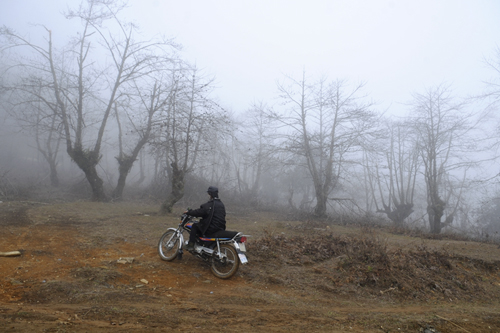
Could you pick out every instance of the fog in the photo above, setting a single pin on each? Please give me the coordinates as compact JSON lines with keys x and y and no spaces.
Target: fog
{"x":249,"y":59}
{"x":395,"y":46}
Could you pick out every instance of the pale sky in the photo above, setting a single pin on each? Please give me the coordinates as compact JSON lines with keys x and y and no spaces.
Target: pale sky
{"x":396,"y":46}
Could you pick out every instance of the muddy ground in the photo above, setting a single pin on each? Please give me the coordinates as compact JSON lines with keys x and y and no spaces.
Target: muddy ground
{"x":302,"y":276}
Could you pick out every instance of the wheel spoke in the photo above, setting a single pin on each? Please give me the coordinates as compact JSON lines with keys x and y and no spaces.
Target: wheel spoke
{"x":169,"y":245}
{"x":226,"y":266}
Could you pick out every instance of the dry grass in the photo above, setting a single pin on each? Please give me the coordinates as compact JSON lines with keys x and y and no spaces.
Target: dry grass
{"x":367,"y":266}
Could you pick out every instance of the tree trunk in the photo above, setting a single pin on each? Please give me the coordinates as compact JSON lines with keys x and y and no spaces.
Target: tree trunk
{"x":96,"y":184}
{"x":87,"y":162}
{"x":320,"y":209}
{"x":142,"y":175}
{"x":125,"y":163}
{"x":290,"y":199}
{"x":54,"y":178}
{"x":177,"y":191}
{"x":436,"y":212}
{"x":398,"y":214}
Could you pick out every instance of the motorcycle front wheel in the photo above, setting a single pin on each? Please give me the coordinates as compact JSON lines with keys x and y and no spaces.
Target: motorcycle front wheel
{"x":169,"y":245}
{"x":228,"y":264}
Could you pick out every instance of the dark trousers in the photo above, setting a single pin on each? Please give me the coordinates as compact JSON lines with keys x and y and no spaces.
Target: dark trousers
{"x":195,"y":231}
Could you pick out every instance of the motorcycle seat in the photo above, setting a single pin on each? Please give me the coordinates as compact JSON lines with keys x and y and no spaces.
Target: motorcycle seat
{"x":222,"y":234}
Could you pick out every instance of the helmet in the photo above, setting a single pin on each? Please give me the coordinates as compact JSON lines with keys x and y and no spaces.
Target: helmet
{"x":213,"y":191}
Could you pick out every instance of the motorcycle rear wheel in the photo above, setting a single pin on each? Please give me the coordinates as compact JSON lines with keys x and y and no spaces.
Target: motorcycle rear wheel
{"x":169,"y":245}
{"x":227,"y":266}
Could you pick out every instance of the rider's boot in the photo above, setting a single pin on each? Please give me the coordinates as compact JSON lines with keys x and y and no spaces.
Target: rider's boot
{"x":190,"y":246}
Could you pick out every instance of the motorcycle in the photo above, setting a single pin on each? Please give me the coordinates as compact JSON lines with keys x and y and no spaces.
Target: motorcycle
{"x":224,"y":250}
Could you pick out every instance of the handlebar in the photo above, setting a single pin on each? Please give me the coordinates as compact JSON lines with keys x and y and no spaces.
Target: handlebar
{"x":185,"y":219}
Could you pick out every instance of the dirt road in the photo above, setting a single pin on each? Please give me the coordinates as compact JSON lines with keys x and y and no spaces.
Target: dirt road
{"x":69,"y":279}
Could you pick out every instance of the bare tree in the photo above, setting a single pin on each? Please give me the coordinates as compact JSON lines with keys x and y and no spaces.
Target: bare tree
{"x":186,"y":129}
{"x":442,"y":127}
{"x":393,"y":187}
{"x":492,"y":91}
{"x":324,"y":122}
{"x":491,"y":96}
{"x":256,"y":149}
{"x":140,"y":119}
{"x":28,"y":106}
{"x":86,"y":88}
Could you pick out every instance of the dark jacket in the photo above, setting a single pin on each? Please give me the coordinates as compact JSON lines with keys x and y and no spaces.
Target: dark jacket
{"x":210,"y":222}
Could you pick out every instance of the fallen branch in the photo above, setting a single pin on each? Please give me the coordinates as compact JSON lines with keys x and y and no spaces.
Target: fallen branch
{"x":452,"y":323}
{"x":390,"y":289}
{"x":10,"y":254}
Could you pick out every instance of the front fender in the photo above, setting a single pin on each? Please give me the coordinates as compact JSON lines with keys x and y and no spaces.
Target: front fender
{"x":181,"y":236}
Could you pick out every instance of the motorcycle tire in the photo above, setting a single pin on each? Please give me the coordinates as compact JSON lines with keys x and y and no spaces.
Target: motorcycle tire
{"x":169,"y":245}
{"x":229,"y":264}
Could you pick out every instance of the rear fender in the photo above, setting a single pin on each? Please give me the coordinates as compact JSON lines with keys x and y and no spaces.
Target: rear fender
{"x":241,"y":254}
{"x":237,"y":247}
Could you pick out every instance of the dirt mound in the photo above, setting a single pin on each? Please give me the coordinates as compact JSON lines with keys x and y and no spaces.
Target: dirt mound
{"x":367,"y":266}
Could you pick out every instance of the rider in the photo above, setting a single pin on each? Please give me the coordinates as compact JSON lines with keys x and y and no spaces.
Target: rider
{"x":213,"y":217}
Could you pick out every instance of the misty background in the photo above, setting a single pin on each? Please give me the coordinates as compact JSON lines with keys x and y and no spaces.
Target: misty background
{"x":373,"y":109}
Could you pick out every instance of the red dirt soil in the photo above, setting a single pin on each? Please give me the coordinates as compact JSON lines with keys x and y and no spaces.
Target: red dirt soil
{"x":68,"y":279}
